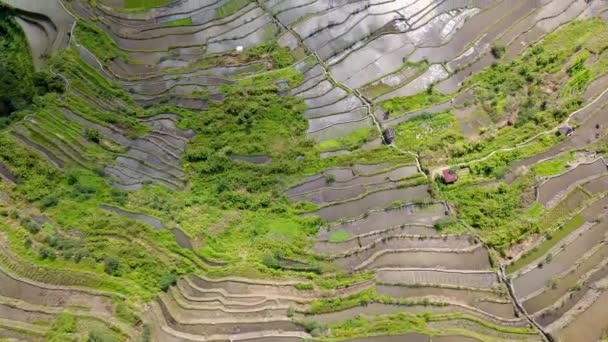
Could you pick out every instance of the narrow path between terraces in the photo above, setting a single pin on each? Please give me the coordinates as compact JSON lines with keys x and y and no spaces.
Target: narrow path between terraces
{"x":355,"y":92}
{"x":369,"y":105}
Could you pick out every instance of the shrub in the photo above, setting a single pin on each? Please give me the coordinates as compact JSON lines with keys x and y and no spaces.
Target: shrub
{"x":305,"y":286}
{"x":309,"y":326}
{"x":498,"y":50}
{"x":167,"y":281}
{"x":49,"y":201}
{"x":93,"y":135}
{"x":46,"y":253}
{"x":111,"y":265}
{"x":99,"y":336}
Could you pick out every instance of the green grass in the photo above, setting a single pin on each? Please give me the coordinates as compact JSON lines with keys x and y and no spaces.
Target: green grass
{"x":401,"y":105}
{"x":553,"y":166}
{"x":230,"y":8}
{"x":179,"y":22}
{"x":379,"y":325}
{"x":338,"y":236}
{"x":145,"y":4}
{"x":428,"y":134}
{"x":540,"y":250}
{"x":98,"y":42}
{"x":402,"y":323}
{"x":377,"y":88}
{"x":351,"y":141}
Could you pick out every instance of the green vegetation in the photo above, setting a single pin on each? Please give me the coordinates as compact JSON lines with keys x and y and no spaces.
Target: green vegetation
{"x":553,"y":166}
{"x":401,"y":105}
{"x":145,"y":4}
{"x":402,"y":323}
{"x":351,"y":141}
{"x":550,"y":241}
{"x":498,"y":50}
{"x":280,"y":56}
{"x":362,"y":298}
{"x":54,"y":229}
{"x":179,"y":22}
{"x":19,"y":83}
{"x":338,"y":236}
{"x":495,"y":210}
{"x":406,"y":73}
{"x":98,"y":42}
{"x":230,"y":8}
{"x":428,"y":134}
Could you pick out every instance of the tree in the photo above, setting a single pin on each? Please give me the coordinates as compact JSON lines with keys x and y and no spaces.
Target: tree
{"x":111,"y":265}
{"x":93,"y":135}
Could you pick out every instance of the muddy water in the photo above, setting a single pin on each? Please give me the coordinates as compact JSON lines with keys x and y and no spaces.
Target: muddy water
{"x":597,"y":185}
{"x":552,"y":187}
{"x":37,"y":38}
{"x":454,"y":339}
{"x":198,"y":295}
{"x":379,"y":220}
{"x":351,"y":188}
{"x":275,"y":339}
{"x":537,"y":278}
{"x":374,"y":200}
{"x":235,"y":327}
{"x":503,"y":310}
{"x":469,"y":31}
{"x":475,"y":260}
{"x":360,"y":256}
{"x":311,"y":183}
{"x":591,"y":325}
{"x":53,"y":10}
{"x":596,"y":87}
{"x":517,"y":12}
{"x":411,"y":337}
{"x":325,"y":247}
{"x":39,"y":295}
{"x":40,"y":149}
{"x":36,"y":317}
{"x":328,"y":195}
{"x":180,"y":237}
{"x":15,"y":335}
{"x":370,"y":168}
{"x":154,"y":222}
{"x":486,"y":280}
{"x":551,"y":295}
{"x":210,"y":313}
{"x":596,"y":209}
{"x":318,"y":124}
{"x":7,"y":174}
{"x":471,"y":298}
{"x":237,"y":287}
{"x":546,"y":318}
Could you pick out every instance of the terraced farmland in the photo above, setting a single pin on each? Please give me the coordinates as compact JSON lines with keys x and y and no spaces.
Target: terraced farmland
{"x":275,"y":170}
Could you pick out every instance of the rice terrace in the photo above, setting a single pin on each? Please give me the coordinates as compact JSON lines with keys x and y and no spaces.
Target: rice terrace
{"x":304,"y":170}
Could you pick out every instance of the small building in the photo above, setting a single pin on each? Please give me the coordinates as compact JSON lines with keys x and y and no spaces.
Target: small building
{"x":282,"y":84}
{"x":389,"y":135}
{"x":565,"y":130}
{"x":449,"y":177}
